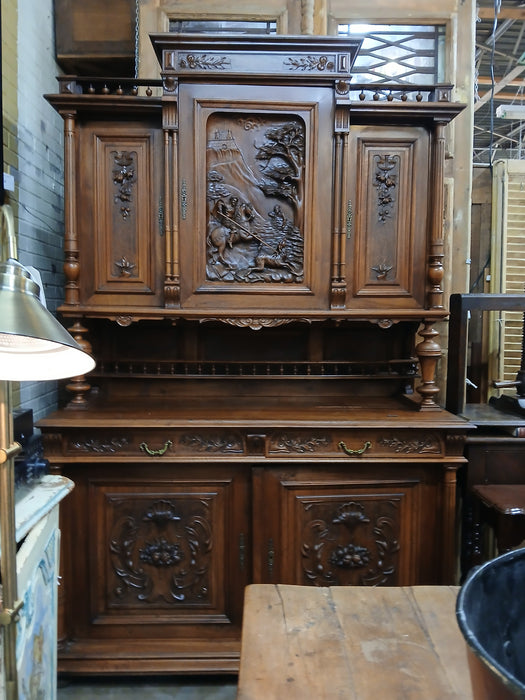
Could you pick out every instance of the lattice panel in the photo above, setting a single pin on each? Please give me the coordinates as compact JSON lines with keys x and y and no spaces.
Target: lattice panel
{"x":508,"y":265}
{"x":404,"y":54}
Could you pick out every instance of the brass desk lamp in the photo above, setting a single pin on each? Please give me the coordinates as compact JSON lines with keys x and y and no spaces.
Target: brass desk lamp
{"x":34,"y":346}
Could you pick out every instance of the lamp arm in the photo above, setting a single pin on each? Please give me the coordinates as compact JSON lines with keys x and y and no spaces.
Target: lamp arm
{"x":8,"y":241}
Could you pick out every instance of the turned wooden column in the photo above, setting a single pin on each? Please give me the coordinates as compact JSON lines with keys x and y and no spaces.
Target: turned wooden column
{"x":71,"y":263}
{"x":429,"y":351}
{"x":342,"y":207}
{"x":435,"y":258}
{"x":173,"y":201}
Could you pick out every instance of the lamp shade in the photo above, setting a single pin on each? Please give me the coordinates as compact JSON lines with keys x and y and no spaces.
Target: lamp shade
{"x":33,"y":344}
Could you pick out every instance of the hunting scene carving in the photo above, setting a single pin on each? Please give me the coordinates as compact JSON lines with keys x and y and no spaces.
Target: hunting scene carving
{"x":255,"y":192}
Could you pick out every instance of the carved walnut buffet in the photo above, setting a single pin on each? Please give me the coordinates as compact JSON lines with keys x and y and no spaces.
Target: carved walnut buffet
{"x":250,"y":255}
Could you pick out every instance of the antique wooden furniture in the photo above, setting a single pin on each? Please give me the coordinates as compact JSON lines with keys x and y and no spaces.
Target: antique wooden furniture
{"x":94,"y":37}
{"x":495,"y":452}
{"x":352,"y":642}
{"x":505,"y":506}
{"x":250,"y":255}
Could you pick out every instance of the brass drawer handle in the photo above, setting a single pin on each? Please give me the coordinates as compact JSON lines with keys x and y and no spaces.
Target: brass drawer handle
{"x":350,"y":452}
{"x":155,"y":453}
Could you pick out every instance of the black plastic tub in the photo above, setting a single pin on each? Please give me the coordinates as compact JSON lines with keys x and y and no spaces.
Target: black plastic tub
{"x":490,"y":612}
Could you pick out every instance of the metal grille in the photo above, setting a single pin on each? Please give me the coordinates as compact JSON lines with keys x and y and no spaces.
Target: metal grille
{"x":208,"y":26}
{"x":397,"y":53}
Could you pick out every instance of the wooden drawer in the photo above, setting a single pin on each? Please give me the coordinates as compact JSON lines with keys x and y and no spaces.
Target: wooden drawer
{"x":183,"y":443}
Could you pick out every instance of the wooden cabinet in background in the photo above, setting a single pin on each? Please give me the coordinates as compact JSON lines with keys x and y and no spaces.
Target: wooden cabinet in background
{"x":251,"y":257}
{"x":94,"y":37}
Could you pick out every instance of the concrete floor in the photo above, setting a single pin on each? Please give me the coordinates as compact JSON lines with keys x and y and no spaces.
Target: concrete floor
{"x":194,"y":688}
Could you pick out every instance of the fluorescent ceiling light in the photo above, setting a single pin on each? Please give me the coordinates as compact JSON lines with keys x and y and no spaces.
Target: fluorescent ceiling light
{"x":515,"y":112}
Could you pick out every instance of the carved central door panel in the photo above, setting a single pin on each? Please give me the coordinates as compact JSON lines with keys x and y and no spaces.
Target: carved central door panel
{"x":389,"y":174}
{"x":249,"y":180}
{"x":346,"y":528}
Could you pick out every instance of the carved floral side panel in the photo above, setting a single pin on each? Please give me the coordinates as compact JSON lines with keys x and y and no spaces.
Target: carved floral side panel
{"x":121,"y":228}
{"x":389,"y":196}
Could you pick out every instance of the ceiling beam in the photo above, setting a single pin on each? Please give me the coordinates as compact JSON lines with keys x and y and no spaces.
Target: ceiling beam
{"x":511,"y":75}
{"x":485,"y":80}
{"x":504,"y":13}
{"x":509,"y":97}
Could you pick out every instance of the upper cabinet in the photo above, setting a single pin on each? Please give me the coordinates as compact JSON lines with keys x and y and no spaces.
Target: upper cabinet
{"x":256,"y":185}
{"x":254,"y":180}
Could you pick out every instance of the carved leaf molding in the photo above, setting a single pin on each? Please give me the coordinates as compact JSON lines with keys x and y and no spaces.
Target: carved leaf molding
{"x":385,"y":181}
{"x":213,"y":443}
{"x":204,"y":61}
{"x":424,"y":445}
{"x":304,"y":63}
{"x":124,"y":176}
{"x":99,"y":446}
{"x":291,"y":443}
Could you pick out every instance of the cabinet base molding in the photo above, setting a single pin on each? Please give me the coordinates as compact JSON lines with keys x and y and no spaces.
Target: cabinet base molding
{"x":160,"y":658}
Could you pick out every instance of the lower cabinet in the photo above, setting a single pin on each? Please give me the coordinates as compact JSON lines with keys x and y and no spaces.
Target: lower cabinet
{"x":372,"y":524}
{"x":170,"y":519}
{"x":156,"y":561}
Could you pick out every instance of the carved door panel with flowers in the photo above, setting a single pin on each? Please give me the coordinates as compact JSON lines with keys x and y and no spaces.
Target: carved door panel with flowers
{"x":343,"y":528}
{"x":165,"y":548}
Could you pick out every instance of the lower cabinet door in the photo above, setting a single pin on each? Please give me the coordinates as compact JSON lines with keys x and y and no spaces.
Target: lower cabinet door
{"x":363,"y":524}
{"x":157,"y":564}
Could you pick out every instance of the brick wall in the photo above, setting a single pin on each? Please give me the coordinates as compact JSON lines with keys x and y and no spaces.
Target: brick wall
{"x":33,"y":155}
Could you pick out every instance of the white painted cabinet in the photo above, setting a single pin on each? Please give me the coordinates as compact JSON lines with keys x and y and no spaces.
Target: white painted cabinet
{"x":38,"y":540}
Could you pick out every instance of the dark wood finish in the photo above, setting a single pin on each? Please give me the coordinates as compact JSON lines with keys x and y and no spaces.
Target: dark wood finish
{"x":94,"y":37}
{"x":154,"y":567}
{"x":249,"y":257}
{"x":460,"y":305}
{"x":388,"y":252}
{"x":178,"y":506}
{"x":495,"y":458}
{"x":507,"y":499}
{"x":120,"y":198}
{"x":504,"y":506}
{"x":352,"y":642}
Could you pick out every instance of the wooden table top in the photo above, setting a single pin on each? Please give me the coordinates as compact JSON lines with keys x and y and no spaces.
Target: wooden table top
{"x":352,"y":642}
